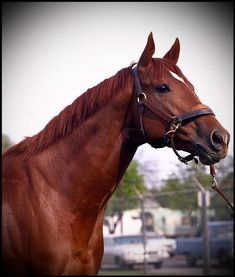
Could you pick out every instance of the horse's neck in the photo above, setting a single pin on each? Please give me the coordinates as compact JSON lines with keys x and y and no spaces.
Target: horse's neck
{"x":90,"y":162}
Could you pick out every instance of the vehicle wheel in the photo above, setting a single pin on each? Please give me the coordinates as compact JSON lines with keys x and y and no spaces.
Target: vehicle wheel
{"x":158,"y":264}
{"x":129,"y":266}
{"x":223,"y":258}
{"x":119,"y":262}
{"x":191,"y":261}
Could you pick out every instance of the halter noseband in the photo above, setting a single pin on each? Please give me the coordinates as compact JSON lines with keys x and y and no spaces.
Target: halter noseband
{"x":161,"y":111}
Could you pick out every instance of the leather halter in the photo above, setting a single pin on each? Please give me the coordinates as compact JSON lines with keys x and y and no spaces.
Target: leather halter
{"x":161,"y":111}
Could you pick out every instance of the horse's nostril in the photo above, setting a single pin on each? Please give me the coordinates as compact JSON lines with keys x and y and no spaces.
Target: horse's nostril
{"x":217,"y":140}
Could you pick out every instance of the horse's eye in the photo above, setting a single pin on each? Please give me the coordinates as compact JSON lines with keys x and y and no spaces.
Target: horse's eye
{"x":162,"y":88}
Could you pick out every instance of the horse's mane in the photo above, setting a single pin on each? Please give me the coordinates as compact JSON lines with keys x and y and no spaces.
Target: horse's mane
{"x":72,"y":116}
{"x":85,"y":105}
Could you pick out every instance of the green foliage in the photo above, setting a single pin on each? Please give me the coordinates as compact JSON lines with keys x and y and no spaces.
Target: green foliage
{"x":6,"y":142}
{"x":131,"y":182}
{"x":185,"y":196}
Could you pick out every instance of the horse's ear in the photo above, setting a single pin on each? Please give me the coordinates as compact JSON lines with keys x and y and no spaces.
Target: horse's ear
{"x":148,"y":52}
{"x":174,"y":52}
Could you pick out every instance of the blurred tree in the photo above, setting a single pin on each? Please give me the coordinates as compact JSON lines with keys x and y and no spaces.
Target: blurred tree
{"x":184,"y":191}
{"x":6,"y":142}
{"x":131,"y":181}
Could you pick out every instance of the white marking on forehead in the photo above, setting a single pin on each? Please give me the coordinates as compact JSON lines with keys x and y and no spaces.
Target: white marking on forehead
{"x":181,"y":79}
{"x":177,"y":77}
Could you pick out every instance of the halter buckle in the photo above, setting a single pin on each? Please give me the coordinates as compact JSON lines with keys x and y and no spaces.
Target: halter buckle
{"x":174,"y":128}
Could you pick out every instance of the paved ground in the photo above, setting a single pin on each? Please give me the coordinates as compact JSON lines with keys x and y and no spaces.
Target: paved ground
{"x":178,"y":266}
{"x":175,"y":266}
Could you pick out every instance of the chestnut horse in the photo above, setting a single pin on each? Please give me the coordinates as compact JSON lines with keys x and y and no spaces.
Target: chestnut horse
{"x":58,"y":182}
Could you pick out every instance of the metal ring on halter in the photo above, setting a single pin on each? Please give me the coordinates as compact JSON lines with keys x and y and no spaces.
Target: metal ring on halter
{"x":173,"y":130}
{"x":141,"y":95}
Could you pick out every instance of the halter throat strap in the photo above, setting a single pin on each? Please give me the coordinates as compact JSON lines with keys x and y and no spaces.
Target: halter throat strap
{"x":163,"y":112}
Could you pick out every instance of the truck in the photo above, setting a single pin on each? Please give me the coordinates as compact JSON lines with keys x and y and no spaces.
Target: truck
{"x":220,"y":244}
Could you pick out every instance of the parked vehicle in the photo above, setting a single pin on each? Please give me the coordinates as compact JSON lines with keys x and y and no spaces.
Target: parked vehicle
{"x":128,"y":250}
{"x":220,"y":241}
{"x":168,"y":243}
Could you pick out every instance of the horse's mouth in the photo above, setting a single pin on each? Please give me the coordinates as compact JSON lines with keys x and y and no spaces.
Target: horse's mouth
{"x":206,"y":157}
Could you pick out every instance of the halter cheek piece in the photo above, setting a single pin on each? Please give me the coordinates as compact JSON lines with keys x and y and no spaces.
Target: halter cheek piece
{"x":161,"y":111}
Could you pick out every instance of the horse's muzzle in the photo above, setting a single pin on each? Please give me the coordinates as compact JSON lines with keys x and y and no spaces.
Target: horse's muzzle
{"x":216,"y":149}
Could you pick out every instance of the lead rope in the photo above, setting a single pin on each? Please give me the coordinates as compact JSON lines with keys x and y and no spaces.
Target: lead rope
{"x":216,"y":187}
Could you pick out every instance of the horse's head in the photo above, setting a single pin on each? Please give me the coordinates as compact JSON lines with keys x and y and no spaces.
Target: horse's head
{"x":170,"y":112}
